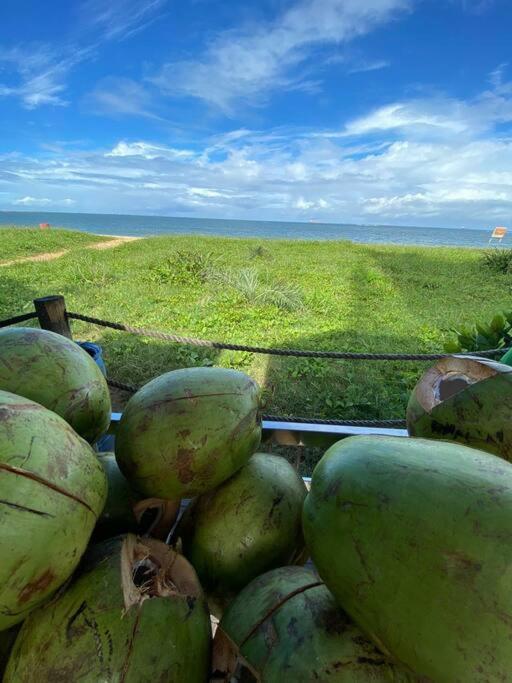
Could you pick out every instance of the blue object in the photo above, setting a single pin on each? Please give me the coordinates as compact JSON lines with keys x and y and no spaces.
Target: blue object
{"x":106,"y":442}
{"x":96,"y":353}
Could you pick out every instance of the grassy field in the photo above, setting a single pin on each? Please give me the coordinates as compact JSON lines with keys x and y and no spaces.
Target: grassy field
{"x":311,"y":295}
{"x":18,"y":243}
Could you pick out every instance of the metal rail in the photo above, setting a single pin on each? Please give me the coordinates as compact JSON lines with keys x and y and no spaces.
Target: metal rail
{"x":308,"y":434}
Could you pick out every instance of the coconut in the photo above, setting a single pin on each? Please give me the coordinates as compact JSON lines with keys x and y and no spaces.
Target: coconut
{"x":249,"y":524}
{"x":126,"y":511}
{"x":465,"y":399}
{"x":412,"y":537}
{"x":135,"y":613}
{"x":52,"y":490}
{"x":286,"y":626}
{"x":54,"y":371}
{"x":187,"y":431}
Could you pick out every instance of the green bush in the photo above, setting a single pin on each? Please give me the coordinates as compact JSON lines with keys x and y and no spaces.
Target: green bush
{"x":183,"y":268}
{"x":260,"y":252}
{"x":498,"y":260}
{"x":253,"y":290}
{"x":481,"y":337}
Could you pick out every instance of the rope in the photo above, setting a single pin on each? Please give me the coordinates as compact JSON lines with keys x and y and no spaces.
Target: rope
{"x":18,"y":319}
{"x":165,"y":336}
{"x":392,"y":424}
{"x":120,"y":385}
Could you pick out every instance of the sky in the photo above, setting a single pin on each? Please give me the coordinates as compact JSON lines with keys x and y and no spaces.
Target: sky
{"x":347,"y":111}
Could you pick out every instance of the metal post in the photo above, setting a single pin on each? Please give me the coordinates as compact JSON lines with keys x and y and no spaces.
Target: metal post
{"x":52,"y":315}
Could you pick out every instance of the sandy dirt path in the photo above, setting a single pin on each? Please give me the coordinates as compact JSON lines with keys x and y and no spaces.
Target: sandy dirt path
{"x":52,"y":255}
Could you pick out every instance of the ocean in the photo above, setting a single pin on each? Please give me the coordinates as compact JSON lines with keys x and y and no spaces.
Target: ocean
{"x":141,"y":226}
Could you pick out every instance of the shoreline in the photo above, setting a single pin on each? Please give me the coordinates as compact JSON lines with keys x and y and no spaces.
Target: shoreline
{"x":144,"y":226}
{"x":291,"y":240}
{"x":256,"y":239}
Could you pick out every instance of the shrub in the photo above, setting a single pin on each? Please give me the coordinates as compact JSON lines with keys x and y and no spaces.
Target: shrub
{"x":481,"y":337}
{"x":183,"y":268}
{"x":260,"y":252}
{"x":498,"y":260}
{"x":253,"y":290}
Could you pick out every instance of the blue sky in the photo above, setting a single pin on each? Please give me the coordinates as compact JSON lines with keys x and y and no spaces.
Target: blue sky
{"x":368,"y":111}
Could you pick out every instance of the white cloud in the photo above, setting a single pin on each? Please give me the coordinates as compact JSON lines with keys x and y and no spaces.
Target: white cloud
{"x":407,"y":115}
{"x":365,"y":66}
{"x":147,"y":151}
{"x":205,"y":192}
{"x":442,"y":115}
{"x":121,"y":97}
{"x":247,"y":64}
{"x":42,"y":201}
{"x":119,"y":19}
{"x":40,"y":73}
{"x":305,"y":205}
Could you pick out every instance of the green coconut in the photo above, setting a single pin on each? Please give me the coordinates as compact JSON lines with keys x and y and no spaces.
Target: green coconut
{"x":249,"y":524}
{"x":187,"y":431}
{"x":127,"y":512}
{"x":465,"y":399}
{"x":286,"y":626}
{"x":52,"y":490}
{"x":135,"y":613}
{"x":412,"y":537}
{"x":57,"y":373}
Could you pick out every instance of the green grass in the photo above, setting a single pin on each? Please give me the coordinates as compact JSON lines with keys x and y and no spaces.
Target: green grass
{"x":20,"y":242}
{"x":343,"y":296}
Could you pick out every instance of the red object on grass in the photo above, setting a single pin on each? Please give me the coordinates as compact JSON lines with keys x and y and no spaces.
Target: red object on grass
{"x":44,"y":226}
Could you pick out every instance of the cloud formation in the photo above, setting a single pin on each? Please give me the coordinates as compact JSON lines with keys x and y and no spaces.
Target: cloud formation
{"x":118,"y":19}
{"x":41,"y":70}
{"x":249,"y":64}
{"x":426,"y":162}
{"x":38,"y":202}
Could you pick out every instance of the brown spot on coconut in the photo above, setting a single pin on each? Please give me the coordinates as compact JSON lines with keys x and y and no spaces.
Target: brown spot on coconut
{"x":135,"y":613}
{"x":175,"y":439}
{"x":465,"y":399}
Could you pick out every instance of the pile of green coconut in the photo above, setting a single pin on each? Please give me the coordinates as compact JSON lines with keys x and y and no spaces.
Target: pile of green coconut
{"x":188,"y":556}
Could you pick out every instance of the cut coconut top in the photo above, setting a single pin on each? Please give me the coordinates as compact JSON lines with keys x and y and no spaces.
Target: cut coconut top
{"x":156,"y":516}
{"x":452,"y":375}
{"x":151,"y":569}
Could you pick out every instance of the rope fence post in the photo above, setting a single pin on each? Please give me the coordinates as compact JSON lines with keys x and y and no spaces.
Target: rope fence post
{"x":52,"y":315}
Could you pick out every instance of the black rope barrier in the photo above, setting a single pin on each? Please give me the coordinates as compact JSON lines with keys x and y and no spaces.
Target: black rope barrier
{"x":392,"y":424}
{"x":340,"y":355}
{"x":18,"y":319}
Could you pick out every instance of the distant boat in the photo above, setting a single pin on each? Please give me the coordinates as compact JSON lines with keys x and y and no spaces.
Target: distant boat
{"x":314,"y":220}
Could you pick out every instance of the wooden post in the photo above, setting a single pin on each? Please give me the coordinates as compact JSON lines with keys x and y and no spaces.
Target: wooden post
{"x":51,"y":312}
